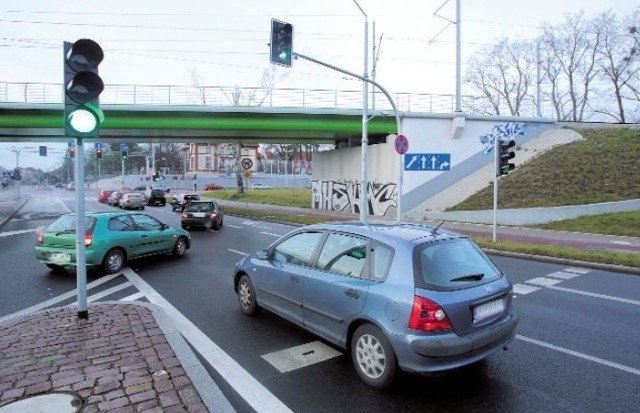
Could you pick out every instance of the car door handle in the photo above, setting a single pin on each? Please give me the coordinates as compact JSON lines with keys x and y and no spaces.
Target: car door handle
{"x":352,"y":293}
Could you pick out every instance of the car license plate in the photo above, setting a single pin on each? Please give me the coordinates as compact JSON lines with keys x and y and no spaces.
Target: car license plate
{"x":199,"y":215}
{"x":489,"y":309}
{"x":60,"y":257}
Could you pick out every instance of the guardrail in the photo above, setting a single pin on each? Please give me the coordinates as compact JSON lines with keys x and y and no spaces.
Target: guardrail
{"x":230,"y":96}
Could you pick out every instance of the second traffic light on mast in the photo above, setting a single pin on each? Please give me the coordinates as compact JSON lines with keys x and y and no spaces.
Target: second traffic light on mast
{"x":281,"y":45}
{"x":505,"y":154}
{"x":82,"y":87}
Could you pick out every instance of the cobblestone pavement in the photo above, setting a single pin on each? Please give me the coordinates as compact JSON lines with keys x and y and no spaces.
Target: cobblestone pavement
{"x":118,"y":360}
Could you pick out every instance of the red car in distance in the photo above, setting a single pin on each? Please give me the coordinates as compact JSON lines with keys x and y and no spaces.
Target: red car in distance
{"x":212,"y":187}
{"x":103,"y":196}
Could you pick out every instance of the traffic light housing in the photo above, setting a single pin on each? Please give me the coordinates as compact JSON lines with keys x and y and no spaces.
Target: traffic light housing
{"x":156,"y":176}
{"x":124,"y":153}
{"x":43,"y":150}
{"x":98,"y":153}
{"x":281,"y":45}
{"x":505,"y":154}
{"x":17,"y":174}
{"x":82,"y":88}
{"x":72,"y":152}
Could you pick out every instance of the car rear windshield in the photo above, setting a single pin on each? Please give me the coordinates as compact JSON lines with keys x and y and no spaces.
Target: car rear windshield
{"x":67,"y":223}
{"x":199,"y":207}
{"x":452,"y":264}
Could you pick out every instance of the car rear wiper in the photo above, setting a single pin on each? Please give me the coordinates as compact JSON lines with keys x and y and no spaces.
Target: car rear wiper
{"x":66,"y":231}
{"x":469,"y":277}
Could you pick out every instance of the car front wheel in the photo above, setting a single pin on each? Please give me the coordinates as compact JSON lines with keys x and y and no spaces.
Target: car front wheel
{"x":180,"y":247}
{"x":373,"y":357}
{"x":114,"y":261}
{"x":247,"y":296}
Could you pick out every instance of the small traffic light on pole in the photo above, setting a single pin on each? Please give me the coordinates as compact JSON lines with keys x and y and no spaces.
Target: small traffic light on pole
{"x":82,"y":87}
{"x":505,"y":154}
{"x":72,"y":149}
{"x":281,"y":46}
{"x":43,"y":150}
{"x":98,"y":153}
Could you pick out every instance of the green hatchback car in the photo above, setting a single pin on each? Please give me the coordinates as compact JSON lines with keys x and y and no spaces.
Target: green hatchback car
{"x":111,"y":240}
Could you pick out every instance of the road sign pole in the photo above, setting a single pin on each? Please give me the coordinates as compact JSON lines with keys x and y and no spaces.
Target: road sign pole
{"x":81,"y":262}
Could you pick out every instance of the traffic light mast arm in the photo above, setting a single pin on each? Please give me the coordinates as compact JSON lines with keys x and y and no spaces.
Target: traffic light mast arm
{"x":364,"y":79}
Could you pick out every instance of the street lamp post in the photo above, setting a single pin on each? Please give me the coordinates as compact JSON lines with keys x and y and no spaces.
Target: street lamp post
{"x":364,"y":185}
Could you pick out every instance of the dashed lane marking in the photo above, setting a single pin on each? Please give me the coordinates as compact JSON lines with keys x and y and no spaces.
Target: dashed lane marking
{"x":543,"y":281}
{"x":270,"y":233}
{"x":238,"y":252}
{"x":523,"y":289}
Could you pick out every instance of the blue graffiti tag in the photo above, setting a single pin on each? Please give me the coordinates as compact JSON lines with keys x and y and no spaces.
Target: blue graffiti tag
{"x":502,"y":132}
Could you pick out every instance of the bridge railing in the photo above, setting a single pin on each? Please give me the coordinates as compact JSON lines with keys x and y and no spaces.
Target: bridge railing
{"x":28,"y":92}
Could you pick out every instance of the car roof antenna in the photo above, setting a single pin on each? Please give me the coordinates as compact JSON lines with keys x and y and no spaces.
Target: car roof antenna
{"x":436,"y":228}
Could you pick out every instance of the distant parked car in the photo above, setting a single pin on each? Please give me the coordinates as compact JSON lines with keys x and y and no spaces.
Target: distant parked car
{"x":114,"y":198}
{"x":207,"y":214}
{"x":259,"y":185}
{"x":213,"y":187}
{"x":71,"y":186}
{"x":111,"y":240}
{"x":131,"y":200}
{"x":397,"y":296}
{"x":103,"y":196}
{"x":181,"y":200}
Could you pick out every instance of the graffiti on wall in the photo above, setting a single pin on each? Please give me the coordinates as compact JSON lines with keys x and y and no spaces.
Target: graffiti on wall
{"x":502,"y":132}
{"x":345,"y":196}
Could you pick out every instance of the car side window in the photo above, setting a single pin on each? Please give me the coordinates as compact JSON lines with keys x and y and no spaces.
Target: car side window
{"x":146,"y":223}
{"x":120,"y":223}
{"x":381,"y":257}
{"x":297,"y":249}
{"x":343,"y":254}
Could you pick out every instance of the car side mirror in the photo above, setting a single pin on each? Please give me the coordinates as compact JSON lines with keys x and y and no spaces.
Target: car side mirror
{"x":263,"y":255}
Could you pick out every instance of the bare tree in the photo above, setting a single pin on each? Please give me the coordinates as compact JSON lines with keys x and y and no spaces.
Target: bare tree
{"x":571,"y":52}
{"x":504,"y":74}
{"x":632,"y":56}
{"x":618,"y":64}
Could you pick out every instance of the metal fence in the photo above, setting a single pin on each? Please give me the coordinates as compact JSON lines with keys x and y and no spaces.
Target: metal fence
{"x":230,"y":96}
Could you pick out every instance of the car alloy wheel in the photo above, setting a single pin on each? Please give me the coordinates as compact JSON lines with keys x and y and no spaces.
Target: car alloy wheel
{"x":180,"y":248}
{"x":373,"y":357}
{"x":114,"y":261}
{"x":246,"y":296}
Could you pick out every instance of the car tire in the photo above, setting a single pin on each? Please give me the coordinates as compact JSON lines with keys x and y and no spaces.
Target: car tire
{"x":373,"y":357}
{"x":180,"y":247}
{"x":247,"y":296}
{"x":215,"y":226}
{"x":142,"y":208}
{"x":114,"y":261}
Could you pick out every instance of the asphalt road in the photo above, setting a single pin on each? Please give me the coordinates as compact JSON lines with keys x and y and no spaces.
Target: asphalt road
{"x":576,"y":348}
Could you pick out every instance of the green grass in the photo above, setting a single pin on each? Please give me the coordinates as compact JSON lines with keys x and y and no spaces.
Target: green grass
{"x":298,"y":197}
{"x":601,"y":168}
{"x":620,"y":223}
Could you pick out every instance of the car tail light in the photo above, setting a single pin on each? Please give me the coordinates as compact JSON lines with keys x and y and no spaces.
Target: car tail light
{"x":184,"y":215}
{"x":88,"y":239}
{"x":40,"y":237}
{"x":427,"y":315}
{"x":213,"y":216}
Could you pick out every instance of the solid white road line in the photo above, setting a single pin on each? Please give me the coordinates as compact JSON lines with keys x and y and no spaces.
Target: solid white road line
{"x":250,"y":389}
{"x":580,"y":355}
{"x":60,"y":298}
{"x":22,"y":231}
{"x":595,"y":295}
{"x":238,"y":252}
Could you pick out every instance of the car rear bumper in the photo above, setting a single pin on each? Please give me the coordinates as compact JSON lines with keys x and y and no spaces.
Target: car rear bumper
{"x":44,"y":255}
{"x":430,"y":354}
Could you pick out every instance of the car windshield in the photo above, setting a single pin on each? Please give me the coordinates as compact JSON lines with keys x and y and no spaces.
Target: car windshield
{"x":452,"y":264}
{"x":67,"y":223}
{"x":199,"y":207}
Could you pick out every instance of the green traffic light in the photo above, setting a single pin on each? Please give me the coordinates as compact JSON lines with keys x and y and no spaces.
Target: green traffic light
{"x":85,"y":119}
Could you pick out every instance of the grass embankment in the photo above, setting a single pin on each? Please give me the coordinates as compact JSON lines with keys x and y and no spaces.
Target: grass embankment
{"x":601,"y":168}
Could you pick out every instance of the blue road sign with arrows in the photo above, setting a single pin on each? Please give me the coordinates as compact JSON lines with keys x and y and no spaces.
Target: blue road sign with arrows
{"x":427,"y":161}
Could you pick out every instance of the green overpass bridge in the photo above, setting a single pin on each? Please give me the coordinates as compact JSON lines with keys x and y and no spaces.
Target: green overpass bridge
{"x":139,"y":113}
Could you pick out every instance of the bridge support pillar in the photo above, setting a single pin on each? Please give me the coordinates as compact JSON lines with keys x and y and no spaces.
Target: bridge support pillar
{"x":457,"y":126}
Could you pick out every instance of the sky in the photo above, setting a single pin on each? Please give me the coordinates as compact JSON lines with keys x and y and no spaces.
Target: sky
{"x":224,"y":43}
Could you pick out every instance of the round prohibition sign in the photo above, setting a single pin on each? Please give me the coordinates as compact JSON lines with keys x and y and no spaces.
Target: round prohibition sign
{"x":401,"y":143}
{"x":247,"y":163}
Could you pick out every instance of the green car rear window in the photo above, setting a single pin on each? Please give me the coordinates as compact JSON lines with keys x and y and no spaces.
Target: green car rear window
{"x":68,"y":223}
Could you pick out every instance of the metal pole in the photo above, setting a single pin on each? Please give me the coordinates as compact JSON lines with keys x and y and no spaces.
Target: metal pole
{"x":81,"y":263}
{"x":364,"y":185}
{"x":458,"y":58}
{"x":122,"y":166}
{"x":496,"y":143}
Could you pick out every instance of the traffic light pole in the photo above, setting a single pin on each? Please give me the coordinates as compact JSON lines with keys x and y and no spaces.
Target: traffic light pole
{"x":496,"y":155}
{"x":393,"y":105}
{"x":81,"y":261}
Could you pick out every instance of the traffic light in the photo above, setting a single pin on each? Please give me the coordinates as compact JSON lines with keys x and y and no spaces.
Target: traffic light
{"x":82,"y":87}
{"x":17,"y":174}
{"x":43,"y":151}
{"x":505,"y":154}
{"x":72,"y":152}
{"x":98,"y":153}
{"x":124,"y":153}
{"x":156,"y":176}
{"x":281,"y":43}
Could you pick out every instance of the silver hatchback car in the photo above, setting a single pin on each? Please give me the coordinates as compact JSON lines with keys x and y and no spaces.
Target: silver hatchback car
{"x":132,"y":200}
{"x":397,"y":296}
